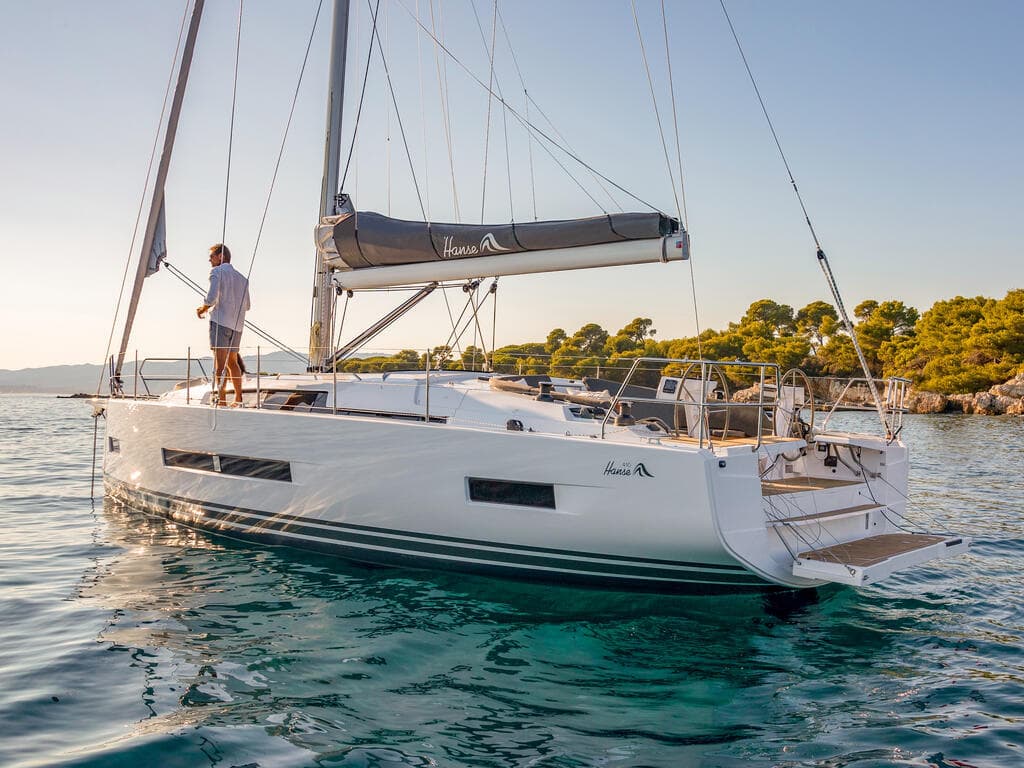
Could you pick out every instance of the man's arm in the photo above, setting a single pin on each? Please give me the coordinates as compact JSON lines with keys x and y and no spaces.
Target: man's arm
{"x":211,"y":295}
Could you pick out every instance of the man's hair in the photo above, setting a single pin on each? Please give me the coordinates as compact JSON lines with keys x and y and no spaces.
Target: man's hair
{"x":221,"y":250}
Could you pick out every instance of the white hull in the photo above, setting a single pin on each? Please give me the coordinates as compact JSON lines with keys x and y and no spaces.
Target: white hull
{"x":397,"y":491}
{"x":413,"y":507}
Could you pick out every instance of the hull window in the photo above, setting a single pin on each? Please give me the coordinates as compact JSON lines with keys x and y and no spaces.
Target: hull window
{"x":263,"y":468}
{"x":239,"y":466}
{"x":113,"y":445}
{"x":189,"y":460}
{"x":508,"y":492}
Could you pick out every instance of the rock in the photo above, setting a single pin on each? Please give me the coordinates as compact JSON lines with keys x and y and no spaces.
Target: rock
{"x":986,"y":404}
{"x":749,"y":395}
{"x":1016,"y":408}
{"x":1013,"y":388}
{"x":1003,"y":404}
{"x":926,"y":402}
{"x":962,"y":403}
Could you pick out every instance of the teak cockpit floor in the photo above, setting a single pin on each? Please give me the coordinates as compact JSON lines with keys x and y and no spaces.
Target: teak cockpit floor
{"x":872,"y":550}
{"x":797,"y":484}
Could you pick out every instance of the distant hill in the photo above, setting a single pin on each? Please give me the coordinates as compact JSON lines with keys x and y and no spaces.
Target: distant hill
{"x":69,"y":379}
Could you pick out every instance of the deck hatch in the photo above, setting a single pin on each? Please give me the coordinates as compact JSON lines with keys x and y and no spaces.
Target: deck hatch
{"x":511,"y":492}
{"x":239,"y":466}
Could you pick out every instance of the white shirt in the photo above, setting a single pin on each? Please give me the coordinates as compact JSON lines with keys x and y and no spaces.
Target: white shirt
{"x":228,"y":296}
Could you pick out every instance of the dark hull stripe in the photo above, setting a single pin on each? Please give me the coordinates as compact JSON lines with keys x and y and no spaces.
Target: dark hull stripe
{"x":376,"y":549}
{"x":453,"y":540}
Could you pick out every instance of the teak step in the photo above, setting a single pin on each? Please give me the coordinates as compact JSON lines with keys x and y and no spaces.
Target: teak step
{"x":833,"y":514}
{"x":800,"y":484}
{"x":875,"y":557}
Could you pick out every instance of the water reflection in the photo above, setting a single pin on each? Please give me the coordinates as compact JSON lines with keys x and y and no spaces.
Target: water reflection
{"x":322,"y":654}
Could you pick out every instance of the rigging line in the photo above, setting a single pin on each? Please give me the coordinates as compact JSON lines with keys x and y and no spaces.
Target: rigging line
{"x":423,"y":115}
{"x":231,"y":124}
{"x":578,"y":183}
{"x":508,"y":164}
{"x":451,"y":318}
{"x":445,"y":116}
{"x":526,"y":106}
{"x":142,"y":197}
{"x":478,"y":330}
{"x":682,"y":183}
{"x":470,"y":319}
{"x":490,"y":50}
{"x":657,"y":112}
{"x":675,"y":118}
{"x":515,"y":113}
{"x":362,"y":95}
{"x":494,"y":321}
{"x":398,"y":116}
{"x":455,"y":336}
{"x":248,"y":324}
{"x":487,"y":129}
{"x":528,"y":99}
{"x":341,"y":325}
{"x":387,"y":124}
{"x":280,"y":151}
{"x":823,"y":262}
{"x":561,"y":137}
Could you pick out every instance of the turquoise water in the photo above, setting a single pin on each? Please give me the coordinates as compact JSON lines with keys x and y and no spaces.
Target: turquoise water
{"x":128,"y":641}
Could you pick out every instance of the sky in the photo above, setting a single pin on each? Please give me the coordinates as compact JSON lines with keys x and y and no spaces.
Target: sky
{"x":901,"y":122}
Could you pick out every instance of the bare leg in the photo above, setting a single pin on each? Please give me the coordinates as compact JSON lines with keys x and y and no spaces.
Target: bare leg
{"x":235,"y":372}
{"x":220,"y":381}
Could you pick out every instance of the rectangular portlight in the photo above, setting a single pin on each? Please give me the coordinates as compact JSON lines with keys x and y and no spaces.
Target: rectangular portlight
{"x":511,"y":492}
{"x":239,"y":466}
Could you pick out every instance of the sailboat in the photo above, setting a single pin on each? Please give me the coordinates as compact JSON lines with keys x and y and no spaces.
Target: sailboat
{"x":668,"y":488}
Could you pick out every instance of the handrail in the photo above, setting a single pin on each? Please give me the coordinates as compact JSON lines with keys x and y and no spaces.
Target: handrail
{"x":704,"y":439}
{"x":893,"y":401}
{"x":188,"y":360}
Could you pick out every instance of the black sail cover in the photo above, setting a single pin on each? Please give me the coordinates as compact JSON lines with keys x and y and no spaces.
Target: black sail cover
{"x":356,"y":240}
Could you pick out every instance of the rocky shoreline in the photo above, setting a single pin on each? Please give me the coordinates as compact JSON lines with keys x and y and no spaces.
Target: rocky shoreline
{"x":1001,"y":400}
{"x":1005,"y":399}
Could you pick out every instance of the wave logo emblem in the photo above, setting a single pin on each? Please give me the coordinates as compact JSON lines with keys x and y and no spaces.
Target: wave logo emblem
{"x":627,"y":468}
{"x":488,"y":243}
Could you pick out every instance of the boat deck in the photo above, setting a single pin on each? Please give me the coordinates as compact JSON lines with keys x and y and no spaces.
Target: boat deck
{"x":798,"y":484}
{"x":872,"y":550}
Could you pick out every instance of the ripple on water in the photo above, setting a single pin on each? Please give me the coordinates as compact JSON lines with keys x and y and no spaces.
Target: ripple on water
{"x":128,"y":640}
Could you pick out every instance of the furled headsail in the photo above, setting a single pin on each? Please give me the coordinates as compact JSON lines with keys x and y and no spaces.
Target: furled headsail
{"x":371,"y":250}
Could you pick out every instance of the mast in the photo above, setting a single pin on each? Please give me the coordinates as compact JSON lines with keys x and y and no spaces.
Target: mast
{"x":156,"y":205}
{"x":323,"y":292}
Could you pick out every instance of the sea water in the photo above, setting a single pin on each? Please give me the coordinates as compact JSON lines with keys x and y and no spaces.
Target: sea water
{"x":126,"y":640}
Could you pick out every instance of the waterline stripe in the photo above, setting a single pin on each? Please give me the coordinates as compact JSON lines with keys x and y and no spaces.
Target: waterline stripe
{"x":200,"y":515}
{"x":410,"y":535}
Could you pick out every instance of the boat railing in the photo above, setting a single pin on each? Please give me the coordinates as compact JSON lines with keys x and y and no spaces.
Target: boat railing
{"x":712,"y":396}
{"x":144,"y":383}
{"x":855,"y":395}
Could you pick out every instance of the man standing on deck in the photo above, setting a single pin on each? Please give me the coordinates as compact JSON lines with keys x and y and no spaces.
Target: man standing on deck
{"x":228,"y":297}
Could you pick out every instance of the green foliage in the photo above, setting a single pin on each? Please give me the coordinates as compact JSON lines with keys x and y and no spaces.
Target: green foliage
{"x":959,"y":345}
{"x":963,"y":344}
{"x":817,"y":322}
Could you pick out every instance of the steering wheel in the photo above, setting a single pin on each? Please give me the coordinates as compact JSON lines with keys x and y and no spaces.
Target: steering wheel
{"x":795,"y":426}
{"x":723,"y":382}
